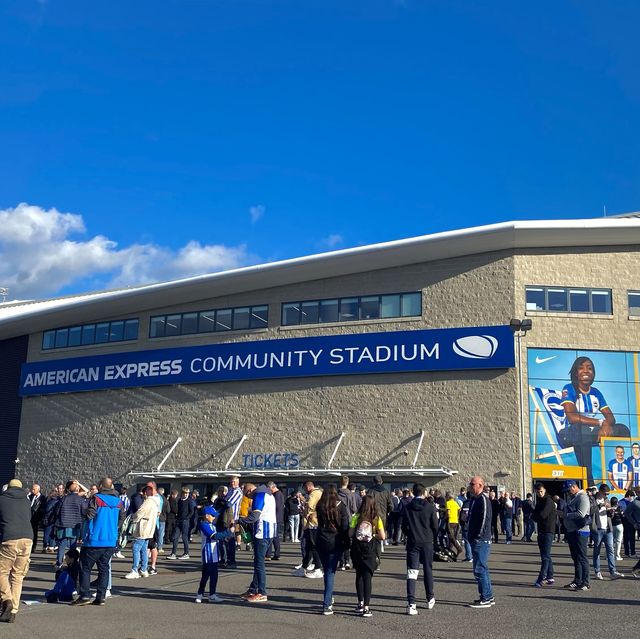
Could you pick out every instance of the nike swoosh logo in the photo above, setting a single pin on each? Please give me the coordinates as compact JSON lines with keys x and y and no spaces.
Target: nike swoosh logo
{"x":542,"y":360}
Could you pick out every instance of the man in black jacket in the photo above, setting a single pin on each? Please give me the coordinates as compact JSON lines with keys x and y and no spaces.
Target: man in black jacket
{"x":479,"y":534}
{"x":186,"y":509}
{"x":544,"y":515}
{"x":15,"y":550}
{"x":420,"y":525}
{"x":38,"y":503}
{"x":382,"y":498}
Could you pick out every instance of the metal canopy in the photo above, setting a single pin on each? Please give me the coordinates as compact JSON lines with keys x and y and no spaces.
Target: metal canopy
{"x":298,"y":473}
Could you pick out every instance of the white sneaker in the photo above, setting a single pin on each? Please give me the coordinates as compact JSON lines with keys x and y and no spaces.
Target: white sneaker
{"x":144,"y":573}
{"x":298,"y":566}
{"x":599,"y":576}
{"x":215,"y":598}
{"x":172,"y":556}
{"x":184,"y":557}
{"x":412,"y":609}
{"x":618,"y":558}
{"x":431,"y":603}
{"x":132,"y":575}
{"x":314,"y":574}
{"x":617,"y":575}
{"x":107,"y":594}
{"x":311,"y":566}
{"x":199,"y":598}
{"x":118,"y":555}
{"x":161,"y":551}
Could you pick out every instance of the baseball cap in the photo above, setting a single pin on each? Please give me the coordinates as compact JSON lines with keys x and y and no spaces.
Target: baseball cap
{"x":15,"y":483}
{"x":568,"y":484}
{"x":210,"y":510}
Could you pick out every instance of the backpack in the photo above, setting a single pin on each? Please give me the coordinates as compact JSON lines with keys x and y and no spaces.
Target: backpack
{"x":364,"y":531}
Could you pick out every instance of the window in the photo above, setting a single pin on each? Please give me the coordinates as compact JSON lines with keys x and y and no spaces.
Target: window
{"x":212,"y":321}
{"x":572,"y":300}
{"x":87,"y":334}
{"x":634,"y":303}
{"x":352,"y":309}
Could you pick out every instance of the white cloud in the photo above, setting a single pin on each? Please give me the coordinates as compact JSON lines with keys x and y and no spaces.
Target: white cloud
{"x":331,"y":241}
{"x":38,"y":258}
{"x":256,"y":212}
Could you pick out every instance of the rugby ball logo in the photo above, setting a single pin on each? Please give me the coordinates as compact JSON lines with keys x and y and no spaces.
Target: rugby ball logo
{"x":476,"y":346}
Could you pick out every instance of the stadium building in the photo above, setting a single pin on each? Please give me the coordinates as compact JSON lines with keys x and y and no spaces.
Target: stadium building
{"x":430,"y":358}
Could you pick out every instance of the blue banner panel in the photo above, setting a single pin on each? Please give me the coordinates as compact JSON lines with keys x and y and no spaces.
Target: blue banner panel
{"x":363,"y":353}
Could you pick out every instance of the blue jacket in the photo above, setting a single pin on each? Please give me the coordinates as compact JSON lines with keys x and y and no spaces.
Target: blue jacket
{"x":104,"y":515}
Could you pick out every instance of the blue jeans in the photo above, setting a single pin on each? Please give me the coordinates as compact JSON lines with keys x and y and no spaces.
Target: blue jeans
{"x":578,"y":544}
{"x":545,"y":542}
{"x":294,"y":526}
{"x":140,"y":554}
{"x":259,"y":581}
{"x":607,"y":538}
{"x":529,"y":527}
{"x":64,"y":544}
{"x":467,"y":545}
{"x":161,"y":528}
{"x":508,"y":528}
{"x":329,"y":566}
{"x":480,"y":551}
{"x":182,"y":528}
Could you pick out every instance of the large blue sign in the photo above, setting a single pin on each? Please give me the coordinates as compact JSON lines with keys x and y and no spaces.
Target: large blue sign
{"x":363,"y":353}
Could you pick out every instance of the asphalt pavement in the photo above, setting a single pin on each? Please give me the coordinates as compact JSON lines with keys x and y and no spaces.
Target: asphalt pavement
{"x":162,"y":605}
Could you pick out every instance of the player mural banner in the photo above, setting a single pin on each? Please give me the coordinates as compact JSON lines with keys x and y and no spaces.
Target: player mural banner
{"x":363,"y":353}
{"x":583,"y":415}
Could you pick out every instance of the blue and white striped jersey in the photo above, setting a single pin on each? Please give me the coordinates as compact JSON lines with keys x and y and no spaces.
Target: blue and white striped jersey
{"x":634,"y":465}
{"x":234,"y":497}
{"x":620,"y":472}
{"x":265,"y":527}
{"x":209,"y":543}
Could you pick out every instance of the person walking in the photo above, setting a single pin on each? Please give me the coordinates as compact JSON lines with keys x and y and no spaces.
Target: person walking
{"x":366,"y":531}
{"x":104,"y":516}
{"x":420,"y":526}
{"x":577,"y":524}
{"x":332,"y":537}
{"x":479,"y":535}
{"x":15,"y":549}
{"x":544,"y":515}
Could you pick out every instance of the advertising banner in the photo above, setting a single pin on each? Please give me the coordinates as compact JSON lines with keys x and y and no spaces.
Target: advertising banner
{"x":583,"y":416}
{"x":364,"y":353}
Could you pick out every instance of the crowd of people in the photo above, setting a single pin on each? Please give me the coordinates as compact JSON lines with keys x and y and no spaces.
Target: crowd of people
{"x":341,"y":527}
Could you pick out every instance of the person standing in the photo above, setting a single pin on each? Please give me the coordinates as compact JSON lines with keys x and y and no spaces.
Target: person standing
{"x":348,"y":498}
{"x":279,"y":499}
{"x":545,"y":516}
{"x":38,"y":504}
{"x":68,"y":517}
{"x":577,"y":523}
{"x":15,"y":549}
{"x":310,"y":523}
{"x":294,"y":508}
{"x":143,"y":527}
{"x":453,"y":523}
{"x":172,"y":514}
{"x":104,"y":515}
{"x":507,"y":517}
{"x":479,"y":535}
{"x":186,"y":510}
{"x":263,"y":519}
{"x":527,"y":516}
{"x":234,"y":498}
{"x":420,"y":525}
{"x":632,"y":516}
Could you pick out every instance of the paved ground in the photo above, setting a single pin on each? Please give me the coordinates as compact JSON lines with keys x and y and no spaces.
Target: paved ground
{"x":162,"y":606}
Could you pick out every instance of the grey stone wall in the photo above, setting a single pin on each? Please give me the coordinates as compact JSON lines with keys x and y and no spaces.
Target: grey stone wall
{"x":470,"y":418}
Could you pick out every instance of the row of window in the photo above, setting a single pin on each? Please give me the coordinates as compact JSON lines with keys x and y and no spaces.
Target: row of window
{"x":214,"y":321}
{"x":352,"y":309}
{"x":577,"y":300}
{"x":100,"y":333}
{"x":344,"y":309}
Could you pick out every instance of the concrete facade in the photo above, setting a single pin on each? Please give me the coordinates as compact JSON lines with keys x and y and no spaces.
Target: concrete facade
{"x":463,"y":413}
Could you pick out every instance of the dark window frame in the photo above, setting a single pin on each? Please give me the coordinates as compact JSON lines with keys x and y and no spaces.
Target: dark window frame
{"x":590,"y":292}
{"x":211,"y":317}
{"x":88,"y":334}
{"x":358,"y":315}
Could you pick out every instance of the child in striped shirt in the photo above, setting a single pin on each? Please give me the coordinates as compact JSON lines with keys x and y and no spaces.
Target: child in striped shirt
{"x":210,"y":557}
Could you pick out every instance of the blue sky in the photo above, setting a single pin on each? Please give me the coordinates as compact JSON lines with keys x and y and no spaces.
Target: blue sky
{"x":153,"y":140}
